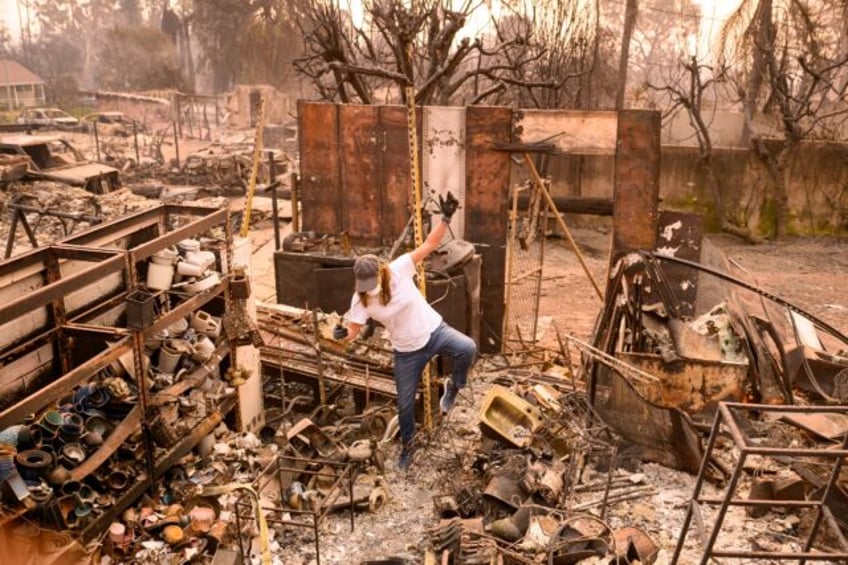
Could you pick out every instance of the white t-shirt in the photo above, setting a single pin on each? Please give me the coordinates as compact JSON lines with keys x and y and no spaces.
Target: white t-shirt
{"x":408,"y":317}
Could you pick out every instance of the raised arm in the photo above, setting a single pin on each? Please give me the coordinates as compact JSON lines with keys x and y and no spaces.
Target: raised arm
{"x":448,"y":207}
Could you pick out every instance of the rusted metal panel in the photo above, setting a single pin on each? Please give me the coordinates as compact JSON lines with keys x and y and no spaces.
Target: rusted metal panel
{"x":664,"y":435}
{"x":395,"y":175}
{"x":361,"y":202}
{"x":320,"y":182}
{"x":573,"y":132}
{"x":18,"y":373}
{"x":46,"y":295}
{"x":487,"y":193}
{"x":636,"y":190}
{"x":689,"y":384}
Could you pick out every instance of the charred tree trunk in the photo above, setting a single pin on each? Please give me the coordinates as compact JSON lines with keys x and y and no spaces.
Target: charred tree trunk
{"x":630,"y":13}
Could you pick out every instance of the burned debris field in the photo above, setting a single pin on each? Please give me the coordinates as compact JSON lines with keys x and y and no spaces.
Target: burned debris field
{"x":390,"y":283}
{"x":629,"y":428}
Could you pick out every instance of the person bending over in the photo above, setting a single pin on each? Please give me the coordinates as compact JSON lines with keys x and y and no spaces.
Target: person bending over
{"x":387,"y":293}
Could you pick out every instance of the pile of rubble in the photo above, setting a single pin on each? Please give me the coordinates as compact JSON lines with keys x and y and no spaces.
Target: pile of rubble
{"x":47,"y":211}
{"x":551,"y":464}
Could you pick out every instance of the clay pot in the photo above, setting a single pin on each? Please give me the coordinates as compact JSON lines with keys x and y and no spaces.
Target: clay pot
{"x":202,"y":518}
{"x":70,"y":488}
{"x":167,"y":256}
{"x":33,"y":464}
{"x":98,"y":425}
{"x":92,"y":439}
{"x":218,"y":530}
{"x":188,"y":246}
{"x":58,"y":476}
{"x":118,"y":480}
{"x":51,"y":421}
{"x":117,"y":531}
{"x":73,"y":454}
{"x":159,"y":277}
{"x":173,"y":534}
{"x":85,"y":495}
{"x":175,"y":510}
{"x":169,"y":358}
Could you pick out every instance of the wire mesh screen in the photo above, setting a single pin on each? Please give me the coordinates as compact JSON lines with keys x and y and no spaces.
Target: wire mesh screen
{"x":525,"y":258}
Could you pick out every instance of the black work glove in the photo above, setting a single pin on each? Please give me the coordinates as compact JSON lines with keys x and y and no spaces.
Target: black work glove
{"x":448,"y":206}
{"x":340,"y":332}
{"x":368,"y":329}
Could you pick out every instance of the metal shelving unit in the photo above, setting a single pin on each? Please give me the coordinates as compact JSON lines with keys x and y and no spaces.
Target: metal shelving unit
{"x":63,"y":321}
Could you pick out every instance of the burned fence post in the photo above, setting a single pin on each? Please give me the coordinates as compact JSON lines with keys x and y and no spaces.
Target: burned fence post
{"x":135,"y":143}
{"x":96,"y":141}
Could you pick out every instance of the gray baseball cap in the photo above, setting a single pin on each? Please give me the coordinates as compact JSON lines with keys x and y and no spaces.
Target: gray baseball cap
{"x":366,"y":269}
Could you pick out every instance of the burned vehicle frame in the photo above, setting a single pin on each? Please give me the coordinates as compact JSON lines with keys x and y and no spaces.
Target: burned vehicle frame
{"x":54,"y":158}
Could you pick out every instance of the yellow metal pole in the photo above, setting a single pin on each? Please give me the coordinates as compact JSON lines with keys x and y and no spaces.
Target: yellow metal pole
{"x":254,"y":169}
{"x":415,"y":169}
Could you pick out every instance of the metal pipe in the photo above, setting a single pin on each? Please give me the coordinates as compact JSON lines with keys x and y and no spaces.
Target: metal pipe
{"x":272,"y":174}
{"x":135,"y":143}
{"x":10,"y":239}
{"x":177,"y":143}
{"x":295,"y":204}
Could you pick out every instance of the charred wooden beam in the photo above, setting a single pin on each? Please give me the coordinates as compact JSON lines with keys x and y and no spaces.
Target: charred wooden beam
{"x":574,"y":204}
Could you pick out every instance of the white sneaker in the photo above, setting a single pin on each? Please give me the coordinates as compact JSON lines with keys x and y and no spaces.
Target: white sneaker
{"x":448,"y":397}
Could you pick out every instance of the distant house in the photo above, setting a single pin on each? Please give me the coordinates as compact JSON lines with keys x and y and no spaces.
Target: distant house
{"x":19,"y":86}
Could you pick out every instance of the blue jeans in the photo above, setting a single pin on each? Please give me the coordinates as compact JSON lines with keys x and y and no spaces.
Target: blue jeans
{"x":409,"y":365}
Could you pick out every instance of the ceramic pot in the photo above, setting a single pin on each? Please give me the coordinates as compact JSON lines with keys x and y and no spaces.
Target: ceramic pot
{"x":117,"y":531}
{"x":70,"y":487}
{"x":188,"y":246}
{"x":178,"y":328}
{"x":159,"y":277}
{"x":85,"y":495}
{"x":72,"y":454}
{"x":202,"y":349}
{"x":202,"y":259}
{"x":92,"y":440}
{"x":51,"y":421}
{"x":169,"y":358}
{"x":188,"y":269}
{"x":58,"y":476}
{"x":33,"y":464}
{"x":173,"y":534}
{"x":206,"y":324}
{"x":118,"y":480}
{"x":167,"y":256}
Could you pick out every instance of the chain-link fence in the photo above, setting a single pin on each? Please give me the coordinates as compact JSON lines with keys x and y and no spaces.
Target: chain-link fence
{"x":525,"y":258}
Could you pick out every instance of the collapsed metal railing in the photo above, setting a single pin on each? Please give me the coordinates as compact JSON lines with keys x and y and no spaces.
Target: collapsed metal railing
{"x":726,"y":423}
{"x":302,"y":509}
